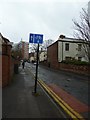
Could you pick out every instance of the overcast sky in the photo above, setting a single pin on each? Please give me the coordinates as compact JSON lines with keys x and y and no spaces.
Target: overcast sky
{"x":19,"y":18}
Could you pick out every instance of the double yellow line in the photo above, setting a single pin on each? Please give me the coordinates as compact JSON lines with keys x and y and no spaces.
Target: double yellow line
{"x":72,"y":113}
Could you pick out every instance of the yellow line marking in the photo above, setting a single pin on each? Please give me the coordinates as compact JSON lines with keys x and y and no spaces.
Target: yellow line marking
{"x":64,"y":105}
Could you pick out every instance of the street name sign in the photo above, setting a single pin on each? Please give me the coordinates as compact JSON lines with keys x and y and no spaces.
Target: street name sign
{"x":36,"y":38}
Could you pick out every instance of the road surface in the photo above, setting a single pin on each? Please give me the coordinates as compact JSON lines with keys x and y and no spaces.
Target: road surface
{"x":76,"y":85}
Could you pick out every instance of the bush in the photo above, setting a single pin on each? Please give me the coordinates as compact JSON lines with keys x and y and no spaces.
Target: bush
{"x":75,"y":62}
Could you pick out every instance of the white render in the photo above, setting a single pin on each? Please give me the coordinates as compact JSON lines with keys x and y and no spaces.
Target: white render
{"x":73,"y":52}
{"x":89,"y":9}
{"x":0,"y":43}
{"x":31,"y":58}
{"x":43,"y":56}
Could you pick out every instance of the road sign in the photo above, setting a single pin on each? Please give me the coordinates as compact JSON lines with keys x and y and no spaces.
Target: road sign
{"x":36,"y":38}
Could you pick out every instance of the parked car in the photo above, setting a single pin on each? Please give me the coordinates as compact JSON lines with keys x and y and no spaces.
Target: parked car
{"x":35,"y":63}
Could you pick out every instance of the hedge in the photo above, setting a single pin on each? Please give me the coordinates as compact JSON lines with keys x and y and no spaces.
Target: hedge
{"x":75,"y":62}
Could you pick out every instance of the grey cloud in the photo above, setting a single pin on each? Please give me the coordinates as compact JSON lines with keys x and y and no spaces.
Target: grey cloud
{"x":50,"y":18}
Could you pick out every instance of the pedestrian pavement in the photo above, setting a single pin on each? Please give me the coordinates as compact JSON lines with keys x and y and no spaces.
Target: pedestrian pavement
{"x":18,"y":100}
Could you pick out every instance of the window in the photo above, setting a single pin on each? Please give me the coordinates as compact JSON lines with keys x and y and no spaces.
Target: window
{"x":79,"y":58}
{"x":79,"y":47}
{"x":89,"y":45}
{"x":67,"y":46}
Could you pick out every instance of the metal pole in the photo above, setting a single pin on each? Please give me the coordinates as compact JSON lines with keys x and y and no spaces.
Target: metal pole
{"x":35,"y":89}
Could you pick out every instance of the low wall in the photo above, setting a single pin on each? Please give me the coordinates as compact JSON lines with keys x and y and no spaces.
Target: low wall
{"x":7,"y":70}
{"x":0,"y":71}
{"x":81,"y":69}
{"x":69,"y":67}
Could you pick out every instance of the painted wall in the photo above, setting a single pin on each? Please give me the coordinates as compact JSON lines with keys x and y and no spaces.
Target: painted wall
{"x":89,"y":9}
{"x":62,"y":53}
{"x":73,"y":51}
{"x":43,"y":56}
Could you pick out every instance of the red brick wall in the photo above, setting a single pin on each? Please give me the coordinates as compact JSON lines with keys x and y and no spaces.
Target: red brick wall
{"x":75,"y":68}
{"x":52,"y":55}
{"x":5,"y":72}
{"x":7,"y":69}
{"x":0,"y":71}
{"x":68,"y":67}
{"x":7,"y":65}
{"x":12,"y":67}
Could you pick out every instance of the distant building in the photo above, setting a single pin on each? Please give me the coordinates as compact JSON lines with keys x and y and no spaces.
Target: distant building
{"x":31,"y":57}
{"x":42,"y":56}
{"x":24,"y":46}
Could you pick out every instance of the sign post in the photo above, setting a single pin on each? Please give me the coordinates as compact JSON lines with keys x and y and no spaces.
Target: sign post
{"x":35,"y":89}
{"x":37,"y":39}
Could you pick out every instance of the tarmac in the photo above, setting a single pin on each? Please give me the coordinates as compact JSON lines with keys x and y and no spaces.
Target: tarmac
{"x":19,"y":101}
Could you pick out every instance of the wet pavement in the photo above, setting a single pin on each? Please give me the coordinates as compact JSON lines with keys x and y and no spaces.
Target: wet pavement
{"x":18,"y":101}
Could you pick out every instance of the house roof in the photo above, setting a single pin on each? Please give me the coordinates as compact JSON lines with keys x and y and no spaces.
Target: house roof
{"x":70,"y":40}
{"x":4,"y":39}
{"x":73,"y":40}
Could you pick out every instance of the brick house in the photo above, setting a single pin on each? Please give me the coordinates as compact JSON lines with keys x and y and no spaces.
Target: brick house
{"x":65,"y":49}
{"x":52,"y":55}
{"x":6,"y":61}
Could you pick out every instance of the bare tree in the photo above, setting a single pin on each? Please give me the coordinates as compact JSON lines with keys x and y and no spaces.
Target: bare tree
{"x":43,"y":46}
{"x":82,"y":31}
{"x":33,"y":47}
{"x":47,"y":43}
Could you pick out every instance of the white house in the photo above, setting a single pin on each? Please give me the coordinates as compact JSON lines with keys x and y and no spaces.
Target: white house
{"x":31,"y":57}
{"x":0,"y":43}
{"x":70,"y":48}
{"x":89,"y":9}
{"x":43,"y":56}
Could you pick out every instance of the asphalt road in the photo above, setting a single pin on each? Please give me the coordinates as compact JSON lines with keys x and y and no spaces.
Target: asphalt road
{"x":76,"y":85}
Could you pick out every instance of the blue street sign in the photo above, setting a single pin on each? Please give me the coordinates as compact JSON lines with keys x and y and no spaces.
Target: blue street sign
{"x":36,"y":38}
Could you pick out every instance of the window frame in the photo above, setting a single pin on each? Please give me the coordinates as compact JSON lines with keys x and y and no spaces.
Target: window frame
{"x":67,"y":46}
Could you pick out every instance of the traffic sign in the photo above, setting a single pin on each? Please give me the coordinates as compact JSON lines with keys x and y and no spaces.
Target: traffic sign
{"x":36,"y":38}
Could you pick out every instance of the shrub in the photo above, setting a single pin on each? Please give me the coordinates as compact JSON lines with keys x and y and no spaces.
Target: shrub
{"x":75,"y":62}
